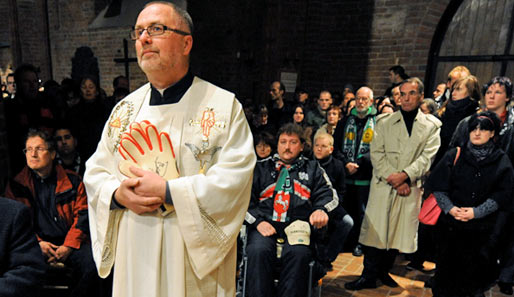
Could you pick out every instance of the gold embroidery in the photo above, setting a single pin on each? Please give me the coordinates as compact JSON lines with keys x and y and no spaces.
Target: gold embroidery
{"x":213,"y":229}
{"x":119,"y":122}
{"x":206,"y":123}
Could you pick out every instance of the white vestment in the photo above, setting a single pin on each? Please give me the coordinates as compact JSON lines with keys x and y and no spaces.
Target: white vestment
{"x":191,"y":252}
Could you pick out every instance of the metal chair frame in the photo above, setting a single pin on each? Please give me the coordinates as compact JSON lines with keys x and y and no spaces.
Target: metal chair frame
{"x":243,"y":270}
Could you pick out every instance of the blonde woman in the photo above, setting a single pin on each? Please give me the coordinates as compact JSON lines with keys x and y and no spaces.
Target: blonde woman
{"x":463,"y":103}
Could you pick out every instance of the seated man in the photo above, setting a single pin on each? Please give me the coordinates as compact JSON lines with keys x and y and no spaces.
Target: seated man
{"x":340,"y":222}
{"x":21,"y":262}
{"x":58,"y":205}
{"x":286,"y":188}
{"x":67,"y":155}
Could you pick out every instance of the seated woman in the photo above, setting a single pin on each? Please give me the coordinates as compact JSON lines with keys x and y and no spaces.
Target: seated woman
{"x":299,"y":119}
{"x":265,"y":145}
{"x":261,"y":121}
{"x":334,"y":115}
{"x":470,"y":194}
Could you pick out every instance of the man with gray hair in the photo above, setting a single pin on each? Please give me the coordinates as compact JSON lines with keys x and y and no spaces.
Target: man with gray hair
{"x":169,"y":184}
{"x":352,"y":140}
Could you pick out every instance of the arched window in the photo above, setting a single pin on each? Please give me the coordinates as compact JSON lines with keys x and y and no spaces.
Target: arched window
{"x":477,"y":34}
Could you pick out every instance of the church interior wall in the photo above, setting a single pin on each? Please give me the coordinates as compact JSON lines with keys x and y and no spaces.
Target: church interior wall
{"x":243,"y":46}
{"x":69,"y":22}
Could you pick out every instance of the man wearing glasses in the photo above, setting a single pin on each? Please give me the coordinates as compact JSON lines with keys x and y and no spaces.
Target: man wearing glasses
{"x":170,"y":181}
{"x":58,"y":202}
{"x":352,"y":140}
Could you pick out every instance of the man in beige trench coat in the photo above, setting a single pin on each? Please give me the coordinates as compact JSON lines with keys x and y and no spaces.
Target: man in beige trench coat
{"x":402,"y":150}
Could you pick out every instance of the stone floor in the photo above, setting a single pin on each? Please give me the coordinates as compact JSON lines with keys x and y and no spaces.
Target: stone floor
{"x":347,"y":268}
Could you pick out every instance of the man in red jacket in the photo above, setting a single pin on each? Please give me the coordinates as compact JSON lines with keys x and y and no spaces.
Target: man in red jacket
{"x":58,"y":204}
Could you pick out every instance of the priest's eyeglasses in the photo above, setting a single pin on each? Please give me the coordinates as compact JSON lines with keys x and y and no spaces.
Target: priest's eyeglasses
{"x":154,"y":30}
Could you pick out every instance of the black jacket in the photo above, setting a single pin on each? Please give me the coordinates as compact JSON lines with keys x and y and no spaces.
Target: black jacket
{"x":506,"y":135}
{"x":312,"y":191}
{"x":470,"y":183}
{"x":21,"y":262}
{"x":335,"y":171}
{"x":455,"y":112}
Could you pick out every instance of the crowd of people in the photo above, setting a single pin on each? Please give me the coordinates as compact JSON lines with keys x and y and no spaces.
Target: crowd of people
{"x":351,"y":151}
{"x":395,"y":151}
{"x":333,"y":171}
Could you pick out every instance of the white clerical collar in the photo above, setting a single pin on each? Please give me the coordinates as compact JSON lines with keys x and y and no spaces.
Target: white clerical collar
{"x":161,"y":91}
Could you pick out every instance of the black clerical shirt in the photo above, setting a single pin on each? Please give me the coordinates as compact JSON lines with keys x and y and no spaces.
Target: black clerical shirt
{"x":174,"y":93}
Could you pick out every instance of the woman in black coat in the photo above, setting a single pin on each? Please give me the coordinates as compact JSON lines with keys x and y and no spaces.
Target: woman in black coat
{"x":88,"y":117}
{"x":470,"y":194}
{"x":463,"y":103}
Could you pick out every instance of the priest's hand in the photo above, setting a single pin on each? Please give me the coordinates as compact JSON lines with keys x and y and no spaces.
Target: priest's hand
{"x":403,"y":189}
{"x":266,"y":229}
{"x":63,"y":252}
{"x":150,"y":183}
{"x":48,"y":250}
{"x":318,"y":219}
{"x":126,"y":196}
{"x":396,"y":179}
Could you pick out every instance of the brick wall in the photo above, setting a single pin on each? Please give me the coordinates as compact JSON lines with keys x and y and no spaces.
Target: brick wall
{"x":243,"y":46}
{"x":337,"y":44}
{"x":5,"y":53}
{"x":4,"y":164}
{"x":32,"y":33}
{"x":5,"y":59}
{"x":357,"y":41}
{"x":401,"y":34}
{"x":69,"y":22}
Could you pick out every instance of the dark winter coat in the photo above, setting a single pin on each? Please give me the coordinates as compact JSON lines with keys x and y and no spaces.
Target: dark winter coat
{"x":312,"y":190}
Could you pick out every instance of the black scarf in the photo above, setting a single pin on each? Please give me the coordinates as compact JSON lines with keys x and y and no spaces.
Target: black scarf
{"x":459,"y":105}
{"x":481,"y":151}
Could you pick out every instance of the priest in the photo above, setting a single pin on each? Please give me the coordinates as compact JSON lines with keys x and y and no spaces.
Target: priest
{"x":169,"y":184}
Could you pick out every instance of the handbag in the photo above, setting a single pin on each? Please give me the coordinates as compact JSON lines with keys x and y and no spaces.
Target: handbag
{"x":430,"y":211}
